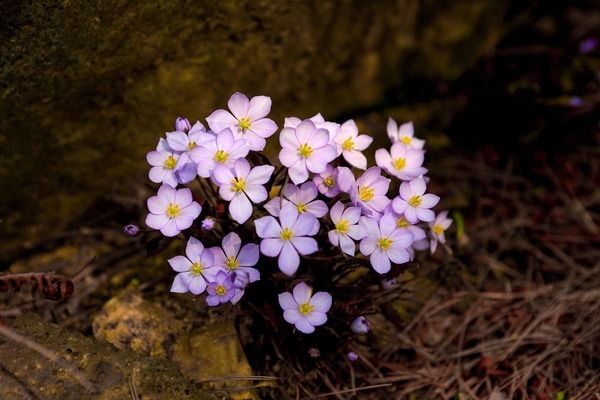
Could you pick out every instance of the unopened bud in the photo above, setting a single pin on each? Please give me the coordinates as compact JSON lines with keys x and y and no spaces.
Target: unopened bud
{"x":182,"y":124}
{"x":360,"y":325}
{"x":131,"y":230}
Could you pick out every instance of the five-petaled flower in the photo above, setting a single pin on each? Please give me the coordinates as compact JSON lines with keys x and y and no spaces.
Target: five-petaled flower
{"x":414,"y":203}
{"x":234,"y":257}
{"x":367,"y":192}
{"x":350,"y":144}
{"x":384,"y":243}
{"x":163,"y":162}
{"x":172,"y":210}
{"x":402,"y":162}
{"x":220,"y":290}
{"x":223,"y":149}
{"x":304,"y":309}
{"x":347,"y":229}
{"x":327,"y":182}
{"x":438,"y":227}
{"x":303,"y":197}
{"x":194,"y":269}
{"x":404,"y":134}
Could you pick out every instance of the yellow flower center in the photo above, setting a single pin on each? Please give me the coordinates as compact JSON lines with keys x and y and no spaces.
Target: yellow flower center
{"x":196,"y":268}
{"x":220,"y":290}
{"x":402,"y":222}
{"x":399,"y":163}
{"x":384,"y":243}
{"x":301,"y":207}
{"x":348,"y":144}
{"x":221,"y":156}
{"x":238,"y":184}
{"x":415,"y":201}
{"x":170,"y":162}
{"x":366,"y":193}
{"x":286,"y":234}
{"x":244,"y":123}
{"x":438,"y":229}
{"x":342,"y":226}
{"x":232,"y":263}
{"x":191,"y":145}
{"x":305,"y":150}
{"x":329,"y":181}
{"x":406,"y":139}
{"x":173,"y":210}
{"x":305,"y":308}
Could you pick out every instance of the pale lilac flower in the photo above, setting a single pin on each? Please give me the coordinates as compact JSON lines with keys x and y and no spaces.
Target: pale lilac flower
{"x":240,"y":185}
{"x":302,"y":197}
{"x":194,"y":269}
{"x":220,"y":290}
{"x":417,"y":232}
{"x":438,"y":227}
{"x":182,"y":125}
{"x":326,"y":182}
{"x":367,"y":192}
{"x":223,"y":149}
{"x":414,"y":203}
{"x":131,"y":230}
{"x":303,"y":309}
{"x":172,"y":211}
{"x":401,"y":161}
{"x":305,"y":149}
{"x":360,"y":325}
{"x":384,"y":243}
{"x":352,"y":356}
{"x":350,"y":144}
{"x":234,"y":257}
{"x":331,"y":127}
{"x":404,"y":134}
{"x":181,"y":141}
{"x":163,"y":165}
{"x":240,"y":279}
{"x":208,"y":224}
{"x":246,"y":119}
{"x":347,"y":229}
{"x":287,"y":238}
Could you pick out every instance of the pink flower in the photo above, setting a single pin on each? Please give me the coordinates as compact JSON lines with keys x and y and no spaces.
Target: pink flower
{"x":404,"y":134}
{"x":240,"y":185}
{"x":303,"y":197}
{"x":438,"y":227}
{"x":327,"y":183}
{"x":305,"y":149}
{"x":384,"y":243}
{"x":223,"y":149}
{"x":367,"y":192}
{"x":303,"y":309}
{"x":172,"y":211}
{"x":194,"y":269}
{"x":414,"y":203}
{"x":403,"y":162}
{"x":350,"y":145}
{"x":288,"y":237}
{"x":347,"y":229}
{"x":246,"y":119}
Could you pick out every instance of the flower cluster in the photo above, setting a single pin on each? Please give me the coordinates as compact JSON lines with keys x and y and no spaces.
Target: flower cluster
{"x":324,"y":189}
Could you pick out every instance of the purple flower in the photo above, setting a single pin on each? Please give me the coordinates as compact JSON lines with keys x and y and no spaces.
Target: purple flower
{"x":326,"y":182}
{"x":360,"y":325}
{"x":401,"y":161}
{"x":181,"y":141}
{"x":194,"y":269}
{"x":404,"y":134}
{"x":223,"y":149}
{"x":384,"y":243}
{"x":131,"y":230}
{"x":331,"y":127}
{"x":240,"y":185}
{"x":246,"y":119}
{"x":414,"y":203}
{"x":172,"y":211}
{"x":302,"y":197}
{"x":287,"y":238}
{"x":208,"y":224}
{"x":588,"y":45}
{"x":163,"y":164}
{"x":367,"y":192}
{"x":438,"y":227}
{"x":347,"y":229}
{"x":234,"y":257}
{"x":352,"y":356}
{"x":303,"y":309}
{"x":350,"y":144}
{"x":182,"y":125}
{"x":305,"y":149}
{"x":402,"y":223}
{"x":220,"y":290}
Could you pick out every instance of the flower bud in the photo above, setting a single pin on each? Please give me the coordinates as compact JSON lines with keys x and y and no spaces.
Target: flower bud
{"x":352,"y":356}
{"x":208,"y":224}
{"x":182,"y":124}
{"x":131,"y":230}
{"x":389,"y":283}
{"x":360,"y":325}
{"x":313,"y":352}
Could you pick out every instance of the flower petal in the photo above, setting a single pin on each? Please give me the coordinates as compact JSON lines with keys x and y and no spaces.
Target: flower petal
{"x":238,"y":104}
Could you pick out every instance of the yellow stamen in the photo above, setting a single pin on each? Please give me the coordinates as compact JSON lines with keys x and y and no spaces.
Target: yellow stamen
{"x":415,"y":201}
{"x":399,"y":163}
{"x":406,"y":139}
{"x":232,"y":263}
{"x":438,"y":229}
{"x":384,"y":243}
{"x":191,"y":145}
{"x":366,"y":193}
{"x":244,"y":123}
{"x":221,"y":156}
{"x":170,"y":162}
{"x":402,"y":222}
{"x":238,"y":184}
{"x":196,"y":268}
{"x":329,"y":181}
{"x":305,"y":150}
{"x":173,"y":210}
{"x":220,"y":290}
{"x":286,"y":234}
{"x":342,"y":226}
{"x":301,"y":207}
{"x":305,"y":308}
{"x":348,"y":144}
